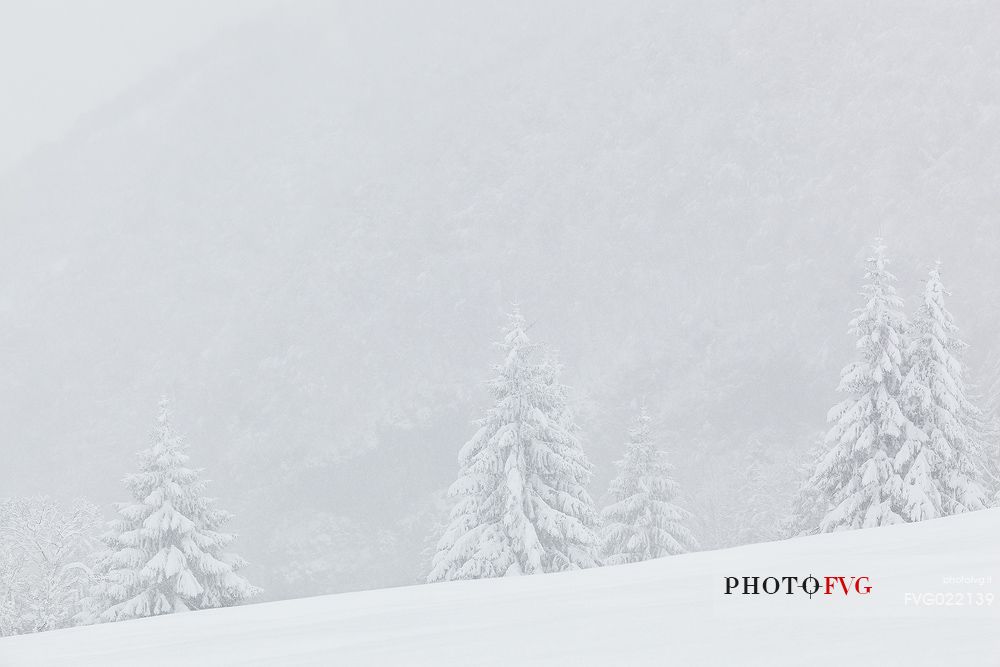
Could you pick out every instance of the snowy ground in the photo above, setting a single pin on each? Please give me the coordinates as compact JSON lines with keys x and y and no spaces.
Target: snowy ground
{"x":666,"y":612}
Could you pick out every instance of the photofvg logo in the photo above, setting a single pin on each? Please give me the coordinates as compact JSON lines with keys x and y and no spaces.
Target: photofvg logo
{"x":810,"y":585}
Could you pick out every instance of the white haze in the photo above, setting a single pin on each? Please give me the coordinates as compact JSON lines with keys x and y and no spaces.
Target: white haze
{"x":308,"y":230}
{"x":60,"y":59}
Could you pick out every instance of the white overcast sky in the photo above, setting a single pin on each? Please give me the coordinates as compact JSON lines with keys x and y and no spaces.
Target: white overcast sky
{"x":62,"y":58}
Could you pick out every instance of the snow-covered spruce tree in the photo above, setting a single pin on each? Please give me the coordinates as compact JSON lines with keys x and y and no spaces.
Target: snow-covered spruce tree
{"x":858,"y":475}
{"x":521,"y":503}
{"x":944,"y":473}
{"x":165,"y":553}
{"x":643,"y":521}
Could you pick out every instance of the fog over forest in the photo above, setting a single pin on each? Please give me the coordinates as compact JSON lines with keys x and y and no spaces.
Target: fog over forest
{"x":309,"y":230}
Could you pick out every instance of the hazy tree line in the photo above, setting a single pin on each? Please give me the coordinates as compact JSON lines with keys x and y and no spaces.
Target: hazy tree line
{"x":907,"y":443}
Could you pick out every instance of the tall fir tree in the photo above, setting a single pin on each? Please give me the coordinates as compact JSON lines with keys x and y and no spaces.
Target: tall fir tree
{"x":945,"y":472}
{"x":858,"y":476}
{"x":165,"y":552}
{"x":643,"y":521}
{"x":521,"y":502}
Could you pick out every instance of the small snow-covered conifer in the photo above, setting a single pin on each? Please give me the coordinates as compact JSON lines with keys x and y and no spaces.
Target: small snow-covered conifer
{"x":165,"y":552}
{"x":643,"y":521}
{"x":809,"y":505}
{"x":763,"y":501}
{"x":521,"y":502}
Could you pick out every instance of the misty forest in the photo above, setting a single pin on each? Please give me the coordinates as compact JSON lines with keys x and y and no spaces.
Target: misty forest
{"x":347,"y":299}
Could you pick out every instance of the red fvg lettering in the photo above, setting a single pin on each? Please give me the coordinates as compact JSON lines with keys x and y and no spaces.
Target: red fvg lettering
{"x":846,"y":586}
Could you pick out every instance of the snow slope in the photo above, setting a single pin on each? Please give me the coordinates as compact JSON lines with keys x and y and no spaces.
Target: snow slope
{"x":670,"y":611}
